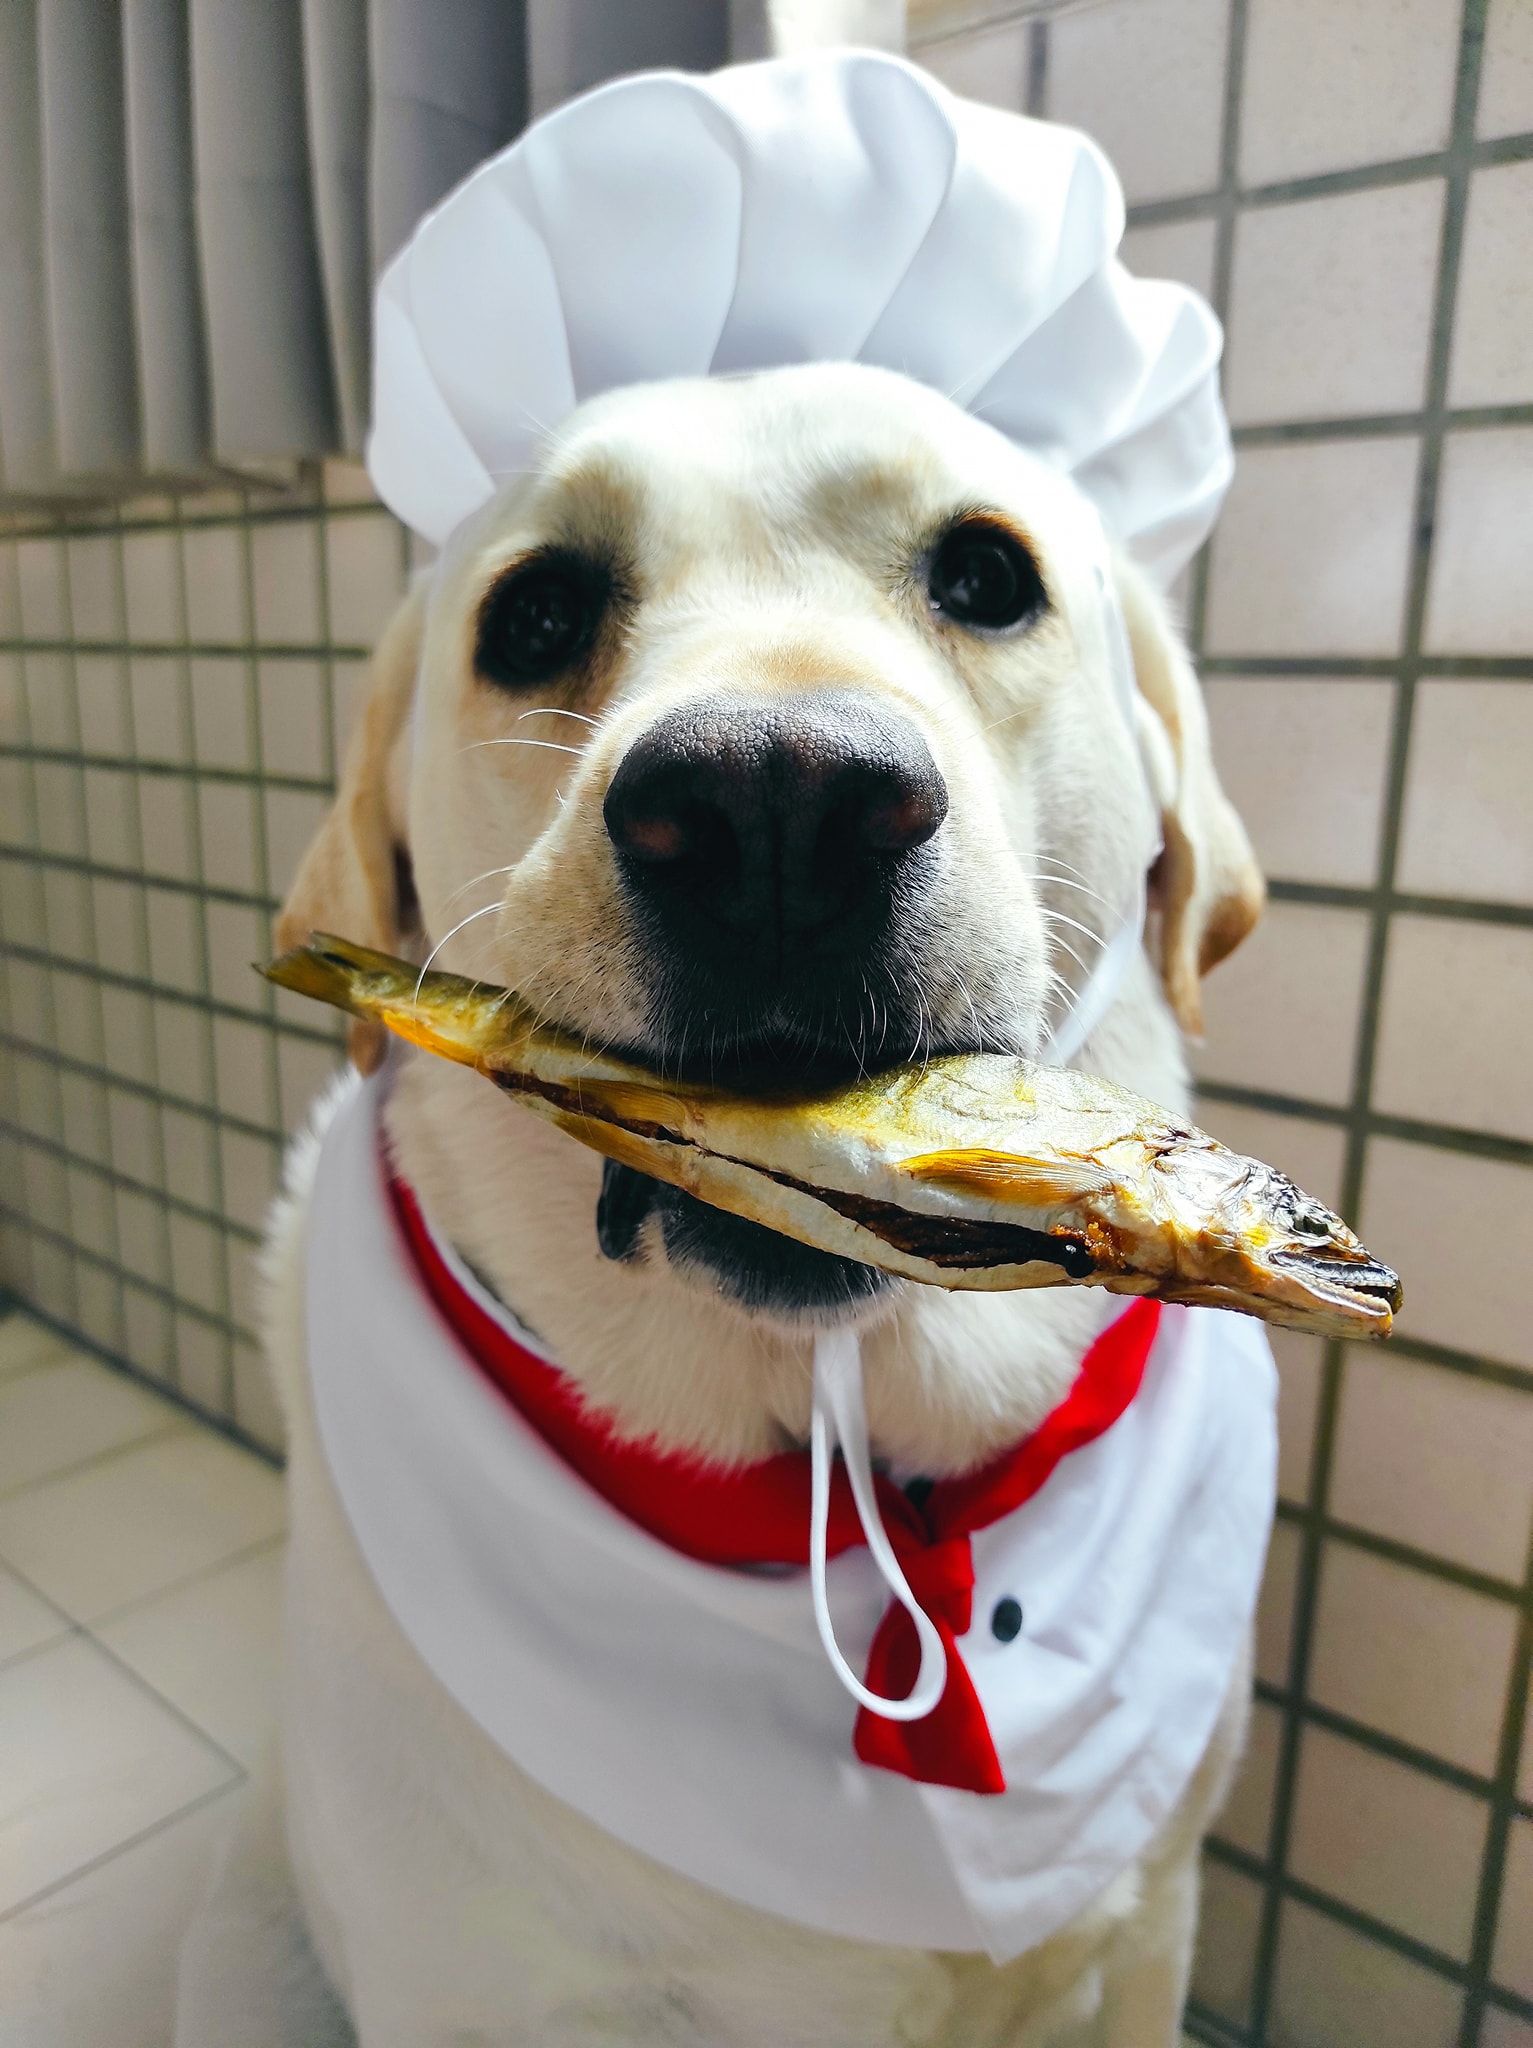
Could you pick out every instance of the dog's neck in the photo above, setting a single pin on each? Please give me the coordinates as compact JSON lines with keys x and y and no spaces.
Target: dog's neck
{"x":950,"y":1377}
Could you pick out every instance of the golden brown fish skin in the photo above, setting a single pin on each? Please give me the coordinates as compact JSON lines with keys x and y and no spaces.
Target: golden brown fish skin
{"x":1069,"y":1180}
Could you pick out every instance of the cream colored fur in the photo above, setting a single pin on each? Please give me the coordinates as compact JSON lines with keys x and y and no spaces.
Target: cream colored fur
{"x":450,"y":1901}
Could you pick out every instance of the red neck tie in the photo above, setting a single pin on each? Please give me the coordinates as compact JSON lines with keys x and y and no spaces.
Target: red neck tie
{"x":759,"y":1514}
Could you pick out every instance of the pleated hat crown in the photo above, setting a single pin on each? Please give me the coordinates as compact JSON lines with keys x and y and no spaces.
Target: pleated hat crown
{"x":832,"y":207}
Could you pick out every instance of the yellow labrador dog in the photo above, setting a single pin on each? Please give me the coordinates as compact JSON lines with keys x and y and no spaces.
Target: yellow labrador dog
{"x":752,"y":729}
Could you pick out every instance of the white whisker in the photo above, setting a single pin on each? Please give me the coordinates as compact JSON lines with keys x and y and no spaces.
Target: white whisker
{"x":556,"y":711}
{"x":1059,"y":882}
{"x":489,"y":875}
{"x":1058,"y":917}
{"x":553,"y":746}
{"x":1065,"y":947}
{"x":488,"y":910}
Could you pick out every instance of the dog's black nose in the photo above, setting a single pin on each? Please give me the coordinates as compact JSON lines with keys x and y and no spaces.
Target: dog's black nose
{"x":772,"y":826}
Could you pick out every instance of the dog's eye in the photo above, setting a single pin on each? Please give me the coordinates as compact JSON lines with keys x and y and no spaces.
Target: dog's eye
{"x":981,"y":575}
{"x":539,"y":619}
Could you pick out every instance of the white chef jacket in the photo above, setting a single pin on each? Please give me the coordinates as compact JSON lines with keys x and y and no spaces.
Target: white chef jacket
{"x":689,"y":1709}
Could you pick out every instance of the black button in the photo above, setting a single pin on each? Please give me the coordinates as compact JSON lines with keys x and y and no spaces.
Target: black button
{"x":1006,"y":1620}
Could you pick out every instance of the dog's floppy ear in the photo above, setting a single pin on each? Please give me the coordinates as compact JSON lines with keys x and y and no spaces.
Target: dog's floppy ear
{"x":1206,"y":884}
{"x":354,"y":879}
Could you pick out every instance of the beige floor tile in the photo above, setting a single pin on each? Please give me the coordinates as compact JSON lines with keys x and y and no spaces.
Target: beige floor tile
{"x":211,"y":1648}
{"x":91,"y":1761}
{"x":139,"y":1523}
{"x":26,"y":1620}
{"x":69,"y":1412}
{"x":94,"y":1964}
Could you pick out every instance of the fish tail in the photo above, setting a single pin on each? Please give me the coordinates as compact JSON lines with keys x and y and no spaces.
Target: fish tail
{"x":331,"y":970}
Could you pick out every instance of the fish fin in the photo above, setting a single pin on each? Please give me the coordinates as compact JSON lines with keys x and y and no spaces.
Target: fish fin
{"x":1054,"y":1182}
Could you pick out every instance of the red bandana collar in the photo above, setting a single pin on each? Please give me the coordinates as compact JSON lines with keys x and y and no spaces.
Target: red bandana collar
{"x":759,"y":1514}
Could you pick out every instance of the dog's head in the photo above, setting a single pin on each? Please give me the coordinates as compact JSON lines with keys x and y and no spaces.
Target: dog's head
{"x":769,"y":724}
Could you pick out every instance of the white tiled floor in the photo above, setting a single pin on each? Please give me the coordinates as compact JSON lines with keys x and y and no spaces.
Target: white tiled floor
{"x":139,"y":1565}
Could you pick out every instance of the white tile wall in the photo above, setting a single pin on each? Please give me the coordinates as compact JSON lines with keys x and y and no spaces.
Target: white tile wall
{"x":1406,"y":1653}
{"x":1331,"y":304}
{"x":1493,"y":328}
{"x":1282,"y":1013}
{"x":1400,"y":1846}
{"x":1436,"y":1459}
{"x":1336,"y":1988}
{"x":1454,"y":1025}
{"x":1313,"y":550}
{"x":1147,"y":82}
{"x":1331,"y":84}
{"x":1434,"y":1209}
{"x":1466,"y":829}
{"x":1480,"y":598}
{"x":1506,"y":82}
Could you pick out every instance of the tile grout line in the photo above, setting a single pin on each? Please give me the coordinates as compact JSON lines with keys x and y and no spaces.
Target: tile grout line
{"x":1504,"y":1805}
{"x":1429,"y":462}
{"x":87,"y":1630}
{"x":147,"y":1834}
{"x":129,"y":1608}
{"x":1224,"y":206}
{"x":164,"y":1291}
{"x":159,"y":1164}
{"x":218,"y":1425}
{"x":1381,"y":1933}
{"x":1425,"y":1762}
{"x":120,"y":1182}
{"x":1482,"y":152}
{"x":33,"y":956}
{"x":93,"y":1461}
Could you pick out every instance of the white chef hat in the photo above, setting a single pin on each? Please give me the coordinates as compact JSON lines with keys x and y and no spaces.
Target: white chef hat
{"x":831,"y":207}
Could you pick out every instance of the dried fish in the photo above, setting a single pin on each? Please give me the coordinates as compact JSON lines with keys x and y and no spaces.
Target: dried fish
{"x":975,"y":1171}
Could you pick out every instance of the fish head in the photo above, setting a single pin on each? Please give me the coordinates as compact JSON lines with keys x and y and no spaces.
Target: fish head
{"x":1266,"y":1246}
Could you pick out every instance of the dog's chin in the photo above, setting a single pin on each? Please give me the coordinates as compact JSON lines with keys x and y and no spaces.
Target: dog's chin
{"x":758,"y":1270}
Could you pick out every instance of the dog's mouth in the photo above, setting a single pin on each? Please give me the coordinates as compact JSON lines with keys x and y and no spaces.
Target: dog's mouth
{"x":757,"y":1269}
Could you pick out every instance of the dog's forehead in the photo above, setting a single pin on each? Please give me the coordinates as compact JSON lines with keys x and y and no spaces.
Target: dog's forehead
{"x":822,"y":442}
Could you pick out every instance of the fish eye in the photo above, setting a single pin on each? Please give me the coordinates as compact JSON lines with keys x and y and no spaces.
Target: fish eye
{"x":540,"y":618}
{"x":982,"y":576}
{"x":1312,"y":1221}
